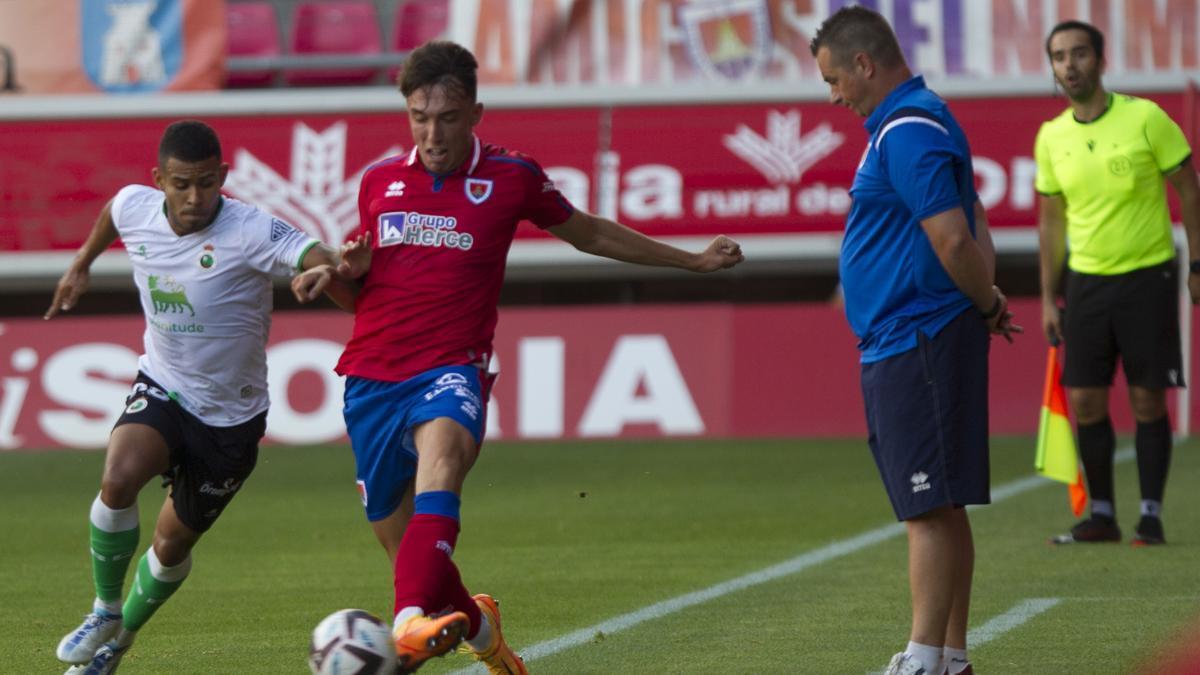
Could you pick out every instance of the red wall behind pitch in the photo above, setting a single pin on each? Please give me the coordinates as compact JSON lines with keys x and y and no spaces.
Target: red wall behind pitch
{"x":741,"y":371}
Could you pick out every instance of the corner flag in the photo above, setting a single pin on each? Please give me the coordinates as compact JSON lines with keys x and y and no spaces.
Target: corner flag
{"x":1056,"y":456}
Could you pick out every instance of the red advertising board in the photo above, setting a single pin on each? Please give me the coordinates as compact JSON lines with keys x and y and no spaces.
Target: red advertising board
{"x":681,"y":371}
{"x":666,"y":170}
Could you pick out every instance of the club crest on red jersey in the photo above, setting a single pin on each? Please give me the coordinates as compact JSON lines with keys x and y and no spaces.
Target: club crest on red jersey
{"x":478,"y":190}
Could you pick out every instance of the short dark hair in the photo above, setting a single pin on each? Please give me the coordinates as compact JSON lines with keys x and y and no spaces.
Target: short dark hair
{"x":857,"y":29}
{"x":440,"y":62}
{"x":1093,"y":33}
{"x":188,"y":141}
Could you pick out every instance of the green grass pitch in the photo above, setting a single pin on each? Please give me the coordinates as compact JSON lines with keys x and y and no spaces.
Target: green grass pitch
{"x":569,"y":535}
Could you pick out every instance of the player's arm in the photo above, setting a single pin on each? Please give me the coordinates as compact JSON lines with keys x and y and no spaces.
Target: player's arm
{"x":983,"y":237}
{"x":1052,"y":253}
{"x":333,"y":273}
{"x":603,"y":237}
{"x":1183,"y":179}
{"x":964,"y":260}
{"x":74,"y":281}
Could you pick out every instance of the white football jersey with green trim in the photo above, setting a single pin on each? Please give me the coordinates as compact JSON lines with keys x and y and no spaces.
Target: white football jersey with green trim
{"x":207,"y":300}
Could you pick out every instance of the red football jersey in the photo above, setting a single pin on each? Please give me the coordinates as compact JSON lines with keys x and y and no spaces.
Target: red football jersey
{"x":439,"y":248}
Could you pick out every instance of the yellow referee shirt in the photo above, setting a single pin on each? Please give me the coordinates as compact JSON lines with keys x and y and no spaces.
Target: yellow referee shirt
{"x":1110,"y":172}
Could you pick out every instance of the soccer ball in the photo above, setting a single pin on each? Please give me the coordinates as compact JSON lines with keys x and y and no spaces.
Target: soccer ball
{"x":352,"y":642}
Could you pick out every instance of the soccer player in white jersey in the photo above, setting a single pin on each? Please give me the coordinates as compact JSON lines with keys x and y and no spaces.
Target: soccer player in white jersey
{"x":203,"y":266}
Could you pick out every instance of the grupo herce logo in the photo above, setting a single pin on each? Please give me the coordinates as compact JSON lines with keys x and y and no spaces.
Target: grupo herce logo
{"x":421,"y":229}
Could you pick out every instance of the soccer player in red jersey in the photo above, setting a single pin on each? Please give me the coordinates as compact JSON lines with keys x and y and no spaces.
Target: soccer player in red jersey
{"x":436,"y":226}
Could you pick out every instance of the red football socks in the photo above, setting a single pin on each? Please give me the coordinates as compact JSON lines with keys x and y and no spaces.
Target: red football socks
{"x":425,"y":575}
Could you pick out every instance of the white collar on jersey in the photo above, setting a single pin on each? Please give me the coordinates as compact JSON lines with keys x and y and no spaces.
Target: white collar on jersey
{"x":477,"y":154}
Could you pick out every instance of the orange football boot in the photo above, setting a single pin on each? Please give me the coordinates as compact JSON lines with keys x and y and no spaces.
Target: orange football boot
{"x":423,"y":637}
{"x":499,"y":658}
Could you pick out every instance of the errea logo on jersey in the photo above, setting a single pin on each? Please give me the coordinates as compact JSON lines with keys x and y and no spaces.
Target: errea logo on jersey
{"x":419,"y":229}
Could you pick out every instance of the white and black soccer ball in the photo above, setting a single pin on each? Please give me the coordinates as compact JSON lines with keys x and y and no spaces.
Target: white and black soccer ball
{"x":352,"y":642}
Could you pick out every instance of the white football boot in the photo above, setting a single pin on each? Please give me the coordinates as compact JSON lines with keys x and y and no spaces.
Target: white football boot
{"x":103,"y":663}
{"x":905,"y":664}
{"x":80,"y":645}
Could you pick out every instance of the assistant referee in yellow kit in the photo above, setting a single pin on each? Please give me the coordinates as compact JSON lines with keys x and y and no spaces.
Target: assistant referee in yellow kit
{"x":1101,"y":169}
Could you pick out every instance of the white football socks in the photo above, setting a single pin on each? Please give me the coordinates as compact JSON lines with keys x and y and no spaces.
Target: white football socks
{"x":483,"y":638}
{"x":404,"y":615}
{"x":955,"y":660}
{"x":930,"y":657}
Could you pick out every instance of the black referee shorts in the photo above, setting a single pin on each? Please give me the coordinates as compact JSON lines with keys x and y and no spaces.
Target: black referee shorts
{"x":1133,"y":315}
{"x":208,"y":463}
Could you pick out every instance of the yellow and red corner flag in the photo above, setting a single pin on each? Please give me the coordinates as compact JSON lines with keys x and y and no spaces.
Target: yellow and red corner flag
{"x":1056,"y":456}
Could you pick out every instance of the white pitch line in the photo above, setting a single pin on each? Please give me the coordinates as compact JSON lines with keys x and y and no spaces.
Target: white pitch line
{"x":786,"y":568}
{"x":999,"y":625}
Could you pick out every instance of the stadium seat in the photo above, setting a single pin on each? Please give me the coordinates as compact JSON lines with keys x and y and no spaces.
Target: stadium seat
{"x":418,"y":22}
{"x":253,"y":32}
{"x":346,"y":27}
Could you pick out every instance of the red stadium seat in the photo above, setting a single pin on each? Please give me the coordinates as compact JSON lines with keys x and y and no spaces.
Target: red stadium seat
{"x":345,"y":27}
{"x":418,"y":22}
{"x":253,"y":32}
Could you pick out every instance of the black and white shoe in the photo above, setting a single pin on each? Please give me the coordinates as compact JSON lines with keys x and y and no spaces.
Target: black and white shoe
{"x":1149,"y":532}
{"x":1093,"y":530}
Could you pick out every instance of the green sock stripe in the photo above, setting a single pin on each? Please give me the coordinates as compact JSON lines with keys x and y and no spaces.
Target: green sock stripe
{"x":146,"y":595}
{"x":111,"y":553}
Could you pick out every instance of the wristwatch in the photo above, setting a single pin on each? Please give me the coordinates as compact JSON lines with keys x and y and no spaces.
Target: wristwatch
{"x":1194,"y":267}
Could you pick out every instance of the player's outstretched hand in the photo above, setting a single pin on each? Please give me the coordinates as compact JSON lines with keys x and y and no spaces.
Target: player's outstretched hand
{"x":356,"y":257}
{"x":71,"y":286}
{"x":722,"y":253}
{"x":311,"y":283}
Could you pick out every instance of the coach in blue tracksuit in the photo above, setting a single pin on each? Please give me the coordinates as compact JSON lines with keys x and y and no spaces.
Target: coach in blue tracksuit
{"x":917,"y":266}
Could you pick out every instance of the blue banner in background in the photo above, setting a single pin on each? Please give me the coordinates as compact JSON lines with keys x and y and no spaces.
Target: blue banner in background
{"x":131,"y":45}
